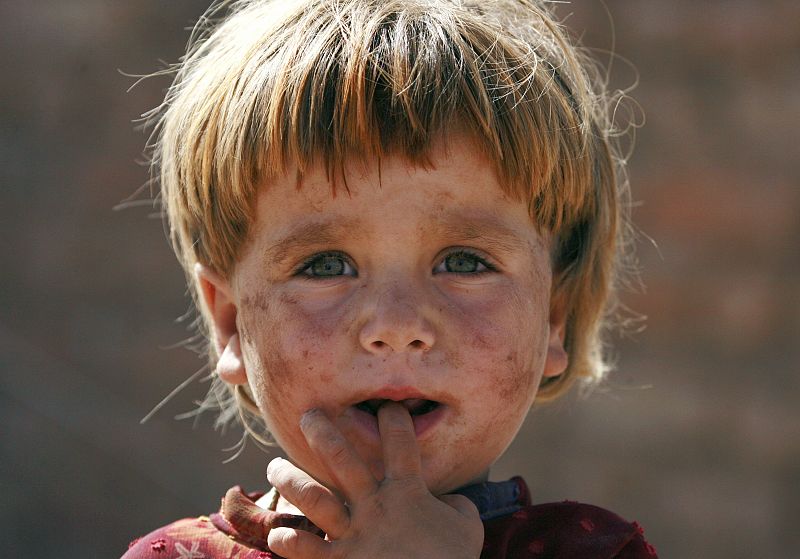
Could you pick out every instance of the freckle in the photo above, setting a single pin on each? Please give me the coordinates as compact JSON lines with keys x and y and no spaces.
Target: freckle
{"x":480,"y":341}
{"x":305,"y":353}
{"x":453,"y":359}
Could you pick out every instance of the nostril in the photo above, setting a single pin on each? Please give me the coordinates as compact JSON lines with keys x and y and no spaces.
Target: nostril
{"x":395,"y":341}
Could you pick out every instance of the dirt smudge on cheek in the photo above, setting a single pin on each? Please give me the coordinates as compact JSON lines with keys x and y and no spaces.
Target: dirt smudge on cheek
{"x":258,"y":301}
{"x":521,"y":368}
{"x":253,"y":314}
{"x":453,"y":359}
{"x":319,"y":322}
{"x":480,"y":342}
{"x":268,"y":368}
{"x":516,"y":384}
{"x":496,"y":433}
{"x":274,"y":381}
{"x":485,"y":328}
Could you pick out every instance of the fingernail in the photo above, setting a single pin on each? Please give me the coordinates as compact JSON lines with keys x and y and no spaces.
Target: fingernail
{"x":272,"y":464}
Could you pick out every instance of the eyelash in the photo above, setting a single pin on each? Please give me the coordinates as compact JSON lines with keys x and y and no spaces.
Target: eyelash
{"x":304,"y":267}
{"x":488,"y":266}
{"x":301,"y":270}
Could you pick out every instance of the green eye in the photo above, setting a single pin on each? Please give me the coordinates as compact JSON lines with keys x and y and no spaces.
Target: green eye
{"x":326,"y":266}
{"x":463,"y":262}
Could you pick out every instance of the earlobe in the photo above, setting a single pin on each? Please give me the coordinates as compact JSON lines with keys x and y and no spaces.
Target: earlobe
{"x":217,"y":297}
{"x":230,"y":366}
{"x":557,"y":359}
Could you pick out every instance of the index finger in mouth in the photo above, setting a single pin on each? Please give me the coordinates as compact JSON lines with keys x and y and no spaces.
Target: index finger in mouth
{"x":399,"y":442}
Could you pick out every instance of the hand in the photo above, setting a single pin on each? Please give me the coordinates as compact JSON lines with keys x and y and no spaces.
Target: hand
{"x":395,"y":517}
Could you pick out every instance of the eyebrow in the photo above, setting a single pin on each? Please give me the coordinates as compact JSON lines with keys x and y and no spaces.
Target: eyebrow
{"x":492,"y":234}
{"x":489,"y":230}
{"x":309,"y":234}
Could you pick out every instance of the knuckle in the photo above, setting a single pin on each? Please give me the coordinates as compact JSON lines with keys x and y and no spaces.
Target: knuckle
{"x":410,"y":485}
{"x":397,"y":432}
{"x":338,"y":451}
{"x":308,"y":494}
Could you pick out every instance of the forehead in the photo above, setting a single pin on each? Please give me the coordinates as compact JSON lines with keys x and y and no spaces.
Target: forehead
{"x":455,"y":194}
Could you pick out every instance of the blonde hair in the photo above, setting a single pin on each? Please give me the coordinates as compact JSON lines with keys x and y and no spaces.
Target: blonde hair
{"x":280,"y":82}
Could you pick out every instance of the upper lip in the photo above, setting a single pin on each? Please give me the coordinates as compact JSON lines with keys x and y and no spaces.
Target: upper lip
{"x":396,"y":394}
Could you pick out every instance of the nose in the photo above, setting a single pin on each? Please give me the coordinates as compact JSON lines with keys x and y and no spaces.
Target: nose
{"x":397,"y":324}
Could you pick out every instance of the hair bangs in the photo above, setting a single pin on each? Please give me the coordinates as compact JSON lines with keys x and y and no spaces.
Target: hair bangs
{"x":386,"y":81}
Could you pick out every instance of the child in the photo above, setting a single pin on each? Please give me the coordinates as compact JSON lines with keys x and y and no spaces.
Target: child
{"x":400,"y":220}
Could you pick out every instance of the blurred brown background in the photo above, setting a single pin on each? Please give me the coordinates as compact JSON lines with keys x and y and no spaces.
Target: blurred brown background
{"x":696,"y":436}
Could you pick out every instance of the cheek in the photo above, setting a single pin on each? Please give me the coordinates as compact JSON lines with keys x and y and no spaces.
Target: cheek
{"x":498,"y":349}
{"x":507,"y":389}
{"x":289,"y":352}
{"x":504,"y":334}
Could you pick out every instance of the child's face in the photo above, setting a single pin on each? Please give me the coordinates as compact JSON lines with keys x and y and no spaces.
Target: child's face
{"x":431,"y":287}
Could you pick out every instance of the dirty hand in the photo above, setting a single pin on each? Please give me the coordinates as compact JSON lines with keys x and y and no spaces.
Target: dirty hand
{"x":394,"y":517}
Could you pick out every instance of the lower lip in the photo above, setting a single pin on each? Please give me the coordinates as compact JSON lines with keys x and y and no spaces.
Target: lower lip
{"x":423,"y":424}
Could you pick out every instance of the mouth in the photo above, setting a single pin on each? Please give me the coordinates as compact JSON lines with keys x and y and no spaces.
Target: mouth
{"x":415,"y":406}
{"x":425,"y":413}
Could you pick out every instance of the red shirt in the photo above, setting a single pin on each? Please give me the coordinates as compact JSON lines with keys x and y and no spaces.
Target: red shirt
{"x":513,"y":528}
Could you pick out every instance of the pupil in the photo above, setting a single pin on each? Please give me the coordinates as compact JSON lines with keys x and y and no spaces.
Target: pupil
{"x":461,"y":263}
{"x":328,"y":266}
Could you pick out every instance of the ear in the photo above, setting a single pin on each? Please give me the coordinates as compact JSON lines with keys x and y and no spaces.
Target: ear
{"x":557,"y":359}
{"x":217,"y":297}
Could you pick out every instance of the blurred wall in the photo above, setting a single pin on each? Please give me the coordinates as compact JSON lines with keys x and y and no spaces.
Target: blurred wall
{"x":696,"y":436}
